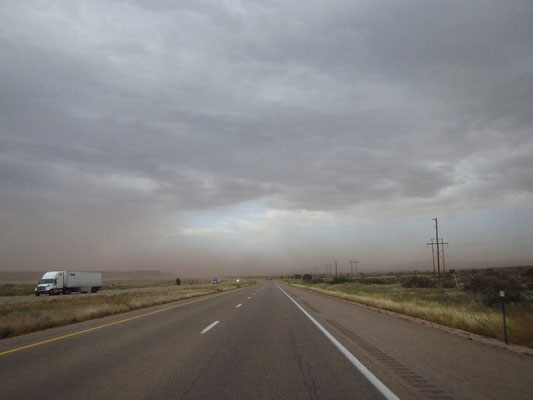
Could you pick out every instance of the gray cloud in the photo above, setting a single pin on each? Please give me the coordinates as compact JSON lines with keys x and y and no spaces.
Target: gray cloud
{"x":118,"y":114}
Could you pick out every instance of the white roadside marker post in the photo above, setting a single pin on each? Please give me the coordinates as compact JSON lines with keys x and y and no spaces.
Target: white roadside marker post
{"x":502,"y":296}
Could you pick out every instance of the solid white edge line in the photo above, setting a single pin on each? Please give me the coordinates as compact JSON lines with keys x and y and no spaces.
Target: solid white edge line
{"x":238,"y":305}
{"x":209,"y":327}
{"x":384,"y":390}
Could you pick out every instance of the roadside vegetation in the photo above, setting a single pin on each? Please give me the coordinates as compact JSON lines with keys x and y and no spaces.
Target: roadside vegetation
{"x":27,"y":288}
{"x":20,"y":317}
{"x":465,"y":299}
{"x":19,"y":289}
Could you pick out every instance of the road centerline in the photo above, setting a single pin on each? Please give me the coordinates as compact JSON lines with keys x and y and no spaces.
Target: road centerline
{"x":238,"y":305}
{"x":209,"y":327}
{"x":201,"y":298}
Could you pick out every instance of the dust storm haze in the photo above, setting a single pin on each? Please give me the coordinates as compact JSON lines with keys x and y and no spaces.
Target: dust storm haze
{"x":243,"y":138}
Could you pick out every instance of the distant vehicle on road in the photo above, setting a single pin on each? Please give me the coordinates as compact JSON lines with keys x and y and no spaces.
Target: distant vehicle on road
{"x":215,"y":281}
{"x":66,"y":282}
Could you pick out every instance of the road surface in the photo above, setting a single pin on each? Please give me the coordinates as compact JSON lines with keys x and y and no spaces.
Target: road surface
{"x":257,"y":343}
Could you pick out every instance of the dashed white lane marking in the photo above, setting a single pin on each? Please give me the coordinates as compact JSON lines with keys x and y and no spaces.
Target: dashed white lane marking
{"x":249,"y":297}
{"x":209,"y":327}
{"x":238,"y":305}
{"x":384,"y":390}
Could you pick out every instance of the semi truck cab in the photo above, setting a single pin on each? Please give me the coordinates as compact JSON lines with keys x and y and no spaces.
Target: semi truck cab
{"x":51,"y":283}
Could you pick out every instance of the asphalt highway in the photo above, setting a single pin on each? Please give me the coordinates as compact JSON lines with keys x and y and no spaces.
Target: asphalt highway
{"x":268,"y":341}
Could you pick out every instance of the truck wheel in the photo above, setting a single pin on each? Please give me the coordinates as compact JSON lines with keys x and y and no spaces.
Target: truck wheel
{"x":37,"y":294}
{"x":51,"y":292}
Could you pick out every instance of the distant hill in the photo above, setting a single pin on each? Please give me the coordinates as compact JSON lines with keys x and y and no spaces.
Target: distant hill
{"x":34,"y":276}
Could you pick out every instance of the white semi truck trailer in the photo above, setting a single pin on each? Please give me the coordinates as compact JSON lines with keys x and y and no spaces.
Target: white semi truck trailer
{"x":66,"y":282}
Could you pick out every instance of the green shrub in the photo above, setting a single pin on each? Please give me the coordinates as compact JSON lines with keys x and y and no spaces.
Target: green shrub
{"x":418,"y":282}
{"x":529,"y":272}
{"x":477,"y":284}
{"x":5,"y":331}
{"x":448,"y":283}
{"x":490,"y":287}
{"x":178,"y":281}
{"x":307,"y":277}
{"x":376,"y":281}
{"x":339,"y":279}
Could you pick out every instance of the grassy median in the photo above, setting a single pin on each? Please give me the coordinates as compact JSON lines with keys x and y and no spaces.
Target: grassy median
{"x":17,"y":318}
{"x":452,"y":307}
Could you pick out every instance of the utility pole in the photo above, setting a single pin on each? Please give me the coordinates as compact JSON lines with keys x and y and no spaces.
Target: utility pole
{"x":352,"y":262}
{"x":335,"y":269}
{"x":440,"y":246}
{"x":438,"y":253}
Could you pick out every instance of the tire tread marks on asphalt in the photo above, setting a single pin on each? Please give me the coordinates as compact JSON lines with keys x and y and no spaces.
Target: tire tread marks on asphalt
{"x":309,"y":306}
{"x":296,"y":347}
{"x":408,"y":376}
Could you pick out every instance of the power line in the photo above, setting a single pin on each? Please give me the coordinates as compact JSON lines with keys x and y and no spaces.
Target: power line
{"x":432,"y":255}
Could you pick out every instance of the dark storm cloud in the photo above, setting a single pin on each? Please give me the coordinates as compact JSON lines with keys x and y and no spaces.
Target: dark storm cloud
{"x":128,"y":111}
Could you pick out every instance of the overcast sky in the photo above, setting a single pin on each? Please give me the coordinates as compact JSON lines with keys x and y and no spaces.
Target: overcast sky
{"x":245,"y":137}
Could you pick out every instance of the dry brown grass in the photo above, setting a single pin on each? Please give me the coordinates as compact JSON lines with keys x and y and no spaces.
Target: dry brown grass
{"x":28,"y":316}
{"x":465,"y":314}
